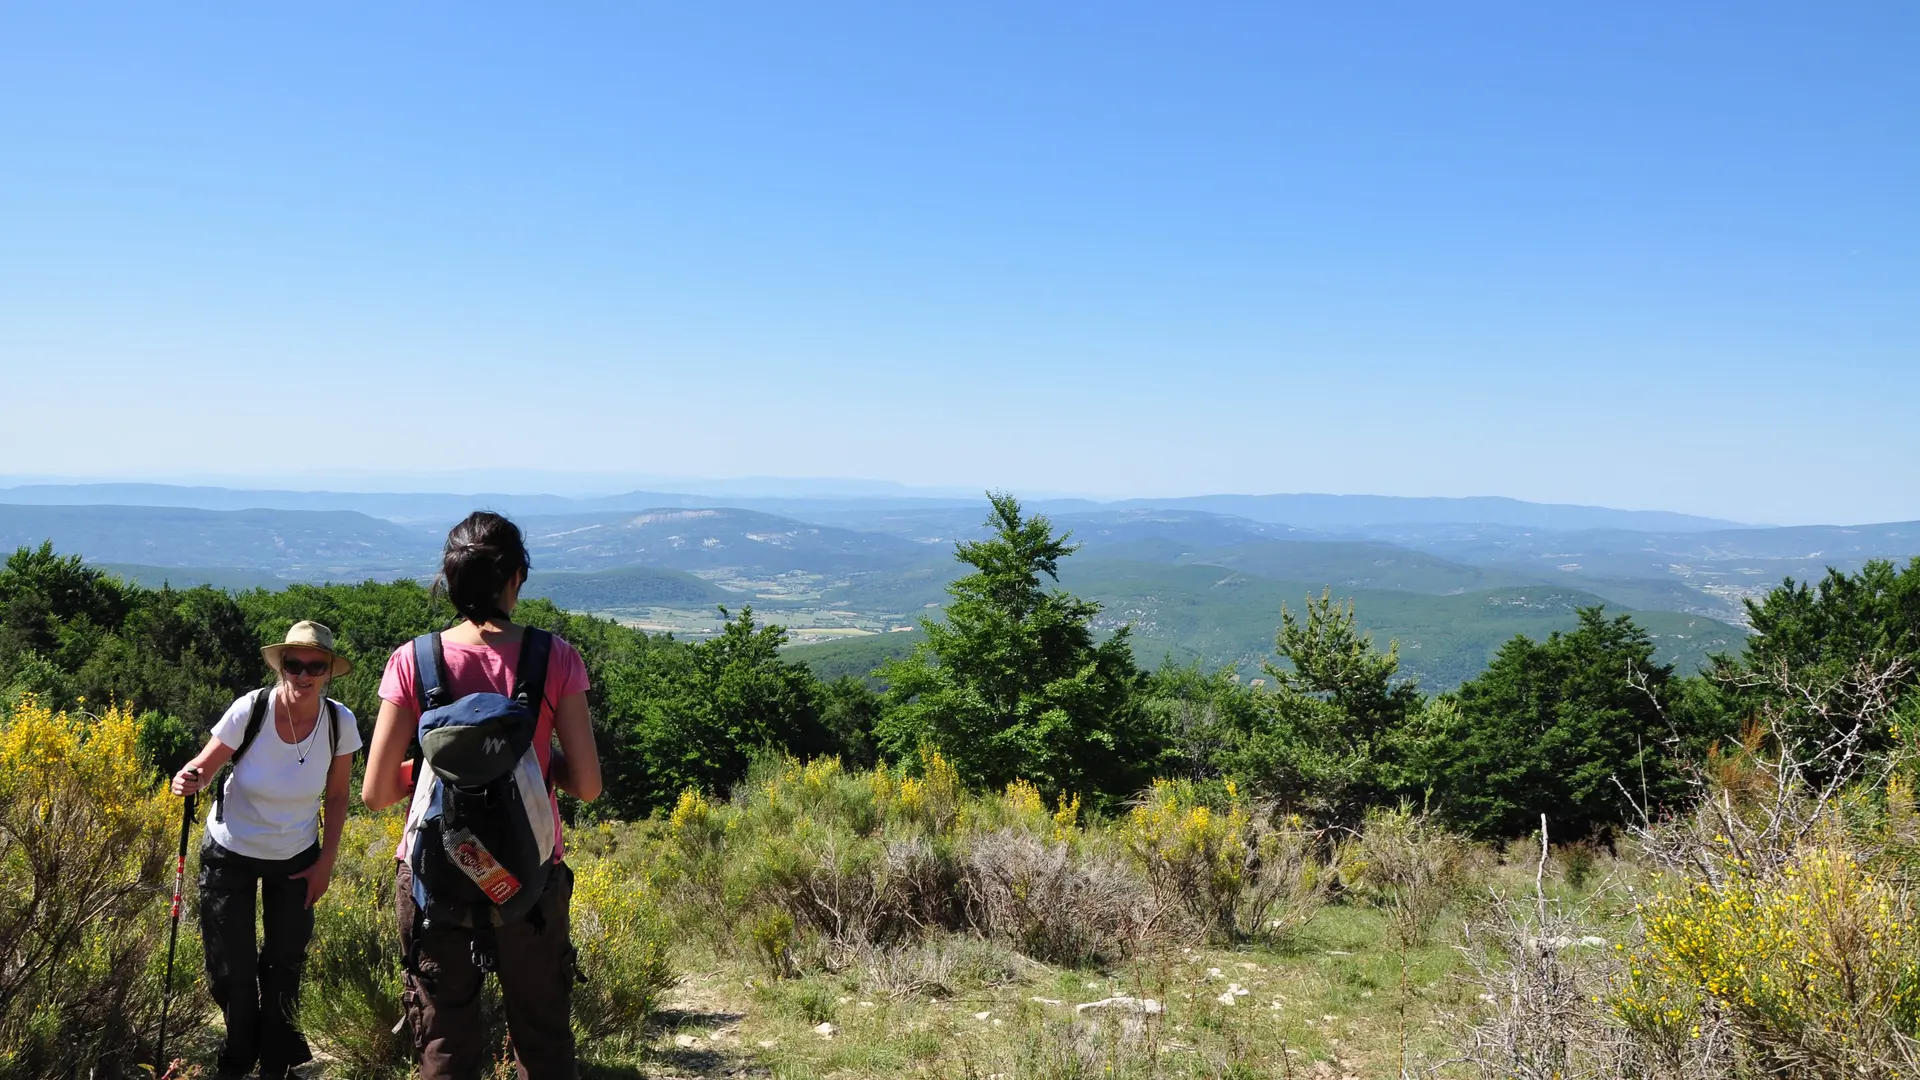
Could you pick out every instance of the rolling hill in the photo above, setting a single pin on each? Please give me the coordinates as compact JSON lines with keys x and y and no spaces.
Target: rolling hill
{"x":1215,"y":615}
{"x":308,"y":545}
{"x":709,"y":539}
{"x":628,"y":587}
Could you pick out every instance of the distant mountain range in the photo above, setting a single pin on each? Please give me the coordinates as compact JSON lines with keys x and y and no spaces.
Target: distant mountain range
{"x":1195,"y":581}
{"x":1334,"y":512}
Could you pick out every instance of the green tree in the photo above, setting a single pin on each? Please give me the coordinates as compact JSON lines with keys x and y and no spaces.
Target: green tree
{"x":683,"y":716}
{"x":1329,"y":739}
{"x":1207,"y":716}
{"x":1819,"y":656}
{"x":54,"y":612}
{"x":1012,"y":683}
{"x":1584,"y":727}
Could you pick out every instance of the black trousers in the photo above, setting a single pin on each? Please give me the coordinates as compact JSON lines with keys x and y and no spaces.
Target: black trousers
{"x":257,"y":988}
{"x":536,"y":964}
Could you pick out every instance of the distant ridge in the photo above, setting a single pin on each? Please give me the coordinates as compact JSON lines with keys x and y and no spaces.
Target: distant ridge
{"x":1305,"y":511}
{"x":1310,"y":511}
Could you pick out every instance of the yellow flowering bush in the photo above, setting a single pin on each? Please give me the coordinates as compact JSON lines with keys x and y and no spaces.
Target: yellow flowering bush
{"x":1816,"y":968}
{"x":85,"y":869}
{"x":1192,"y":853}
{"x":624,"y":947}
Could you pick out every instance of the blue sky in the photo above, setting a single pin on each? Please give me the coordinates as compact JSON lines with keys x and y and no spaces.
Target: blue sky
{"x":1650,"y":256}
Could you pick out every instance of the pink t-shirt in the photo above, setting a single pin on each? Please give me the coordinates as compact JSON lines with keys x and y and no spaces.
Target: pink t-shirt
{"x":475,"y":669}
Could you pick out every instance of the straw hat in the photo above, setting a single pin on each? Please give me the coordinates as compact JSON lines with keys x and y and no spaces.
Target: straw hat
{"x":307,"y":634}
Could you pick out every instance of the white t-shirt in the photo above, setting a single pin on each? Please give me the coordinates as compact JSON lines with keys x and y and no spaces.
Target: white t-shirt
{"x":273,"y":798}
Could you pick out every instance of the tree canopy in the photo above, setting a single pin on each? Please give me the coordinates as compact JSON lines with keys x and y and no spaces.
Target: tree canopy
{"x":1013,"y":682}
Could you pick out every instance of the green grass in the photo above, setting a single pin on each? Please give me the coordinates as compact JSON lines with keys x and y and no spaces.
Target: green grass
{"x":1334,"y":998}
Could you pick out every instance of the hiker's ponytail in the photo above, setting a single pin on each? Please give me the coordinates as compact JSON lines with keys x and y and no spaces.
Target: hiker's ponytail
{"x":483,"y":554}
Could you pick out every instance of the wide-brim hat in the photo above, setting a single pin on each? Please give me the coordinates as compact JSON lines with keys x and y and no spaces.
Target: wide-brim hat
{"x":307,"y":634}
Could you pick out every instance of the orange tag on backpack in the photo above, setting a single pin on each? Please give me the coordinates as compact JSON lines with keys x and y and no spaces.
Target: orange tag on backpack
{"x":478,"y":863}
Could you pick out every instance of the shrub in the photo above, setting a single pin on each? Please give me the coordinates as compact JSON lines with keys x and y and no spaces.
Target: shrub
{"x":1814,"y":969}
{"x":1194,"y":858}
{"x":1286,"y":883}
{"x":350,"y":1002}
{"x":1412,"y":868}
{"x":1226,"y":869}
{"x":1054,"y":905}
{"x":623,"y":947}
{"x":84,"y":846}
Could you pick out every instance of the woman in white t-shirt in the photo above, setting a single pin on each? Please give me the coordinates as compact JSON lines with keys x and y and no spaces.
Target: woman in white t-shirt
{"x":292,"y":750}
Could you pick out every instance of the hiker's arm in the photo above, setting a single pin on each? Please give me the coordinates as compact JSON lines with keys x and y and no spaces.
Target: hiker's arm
{"x":385,"y":784}
{"x":339,"y":779}
{"x":197,"y":774}
{"x":576,"y":764}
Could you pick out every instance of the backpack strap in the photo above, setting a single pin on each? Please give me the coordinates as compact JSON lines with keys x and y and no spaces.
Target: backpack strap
{"x":530,"y":675}
{"x":333,"y":731}
{"x":256,"y":718}
{"x":430,"y":672}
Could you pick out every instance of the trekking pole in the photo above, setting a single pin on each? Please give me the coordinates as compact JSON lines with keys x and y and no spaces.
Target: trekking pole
{"x":173,"y":936}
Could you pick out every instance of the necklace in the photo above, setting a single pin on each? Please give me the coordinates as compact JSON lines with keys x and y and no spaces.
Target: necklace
{"x":311,"y":735}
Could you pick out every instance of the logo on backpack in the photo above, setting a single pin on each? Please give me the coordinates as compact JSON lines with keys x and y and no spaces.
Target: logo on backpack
{"x":480,"y":831}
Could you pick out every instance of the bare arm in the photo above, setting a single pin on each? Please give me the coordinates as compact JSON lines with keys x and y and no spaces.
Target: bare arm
{"x":196,"y":775}
{"x":576,"y":764}
{"x":320,"y":874}
{"x":386,"y":781}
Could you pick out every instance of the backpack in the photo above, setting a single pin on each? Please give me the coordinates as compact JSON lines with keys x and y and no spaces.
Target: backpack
{"x":256,"y":718}
{"x":480,"y":829}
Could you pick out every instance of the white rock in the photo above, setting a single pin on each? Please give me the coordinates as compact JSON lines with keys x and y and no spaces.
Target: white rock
{"x":866,"y":1004}
{"x":826,"y":1030}
{"x":1591,"y":941}
{"x":983,"y":1015}
{"x":1122,"y":1003}
{"x":685,"y":1042}
{"x":1046,"y":1001}
{"x":1227,"y":998}
{"x":1215,"y":973}
{"x":766,"y":1044}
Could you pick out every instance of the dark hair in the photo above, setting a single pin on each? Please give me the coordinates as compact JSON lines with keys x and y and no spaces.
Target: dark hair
{"x":483,"y":554}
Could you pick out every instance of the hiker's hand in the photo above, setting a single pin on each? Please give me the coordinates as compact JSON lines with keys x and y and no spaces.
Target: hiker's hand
{"x":186,"y":781}
{"x":317,"y":878}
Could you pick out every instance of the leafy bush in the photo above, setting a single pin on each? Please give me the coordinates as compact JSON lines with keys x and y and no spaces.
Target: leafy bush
{"x":350,"y":1000}
{"x":84,"y":846}
{"x":1409,"y":866}
{"x":1814,"y":969}
{"x":1037,"y":896}
{"x":1223,"y":867}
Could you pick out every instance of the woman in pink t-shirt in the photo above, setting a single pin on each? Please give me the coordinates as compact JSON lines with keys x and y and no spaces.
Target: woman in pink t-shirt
{"x":484,"y":566}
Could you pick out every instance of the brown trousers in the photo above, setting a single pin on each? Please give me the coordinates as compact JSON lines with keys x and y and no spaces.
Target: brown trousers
{"x":535,"y":967}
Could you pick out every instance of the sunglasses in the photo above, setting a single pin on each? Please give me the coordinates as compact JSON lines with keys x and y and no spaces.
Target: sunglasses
{"x":306,"y":667}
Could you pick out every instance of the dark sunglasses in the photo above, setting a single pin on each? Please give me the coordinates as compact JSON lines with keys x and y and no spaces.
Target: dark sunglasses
{"x":306,"y":667}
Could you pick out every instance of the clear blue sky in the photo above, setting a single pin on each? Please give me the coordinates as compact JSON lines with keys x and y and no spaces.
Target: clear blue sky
{"x":1644,"y":255}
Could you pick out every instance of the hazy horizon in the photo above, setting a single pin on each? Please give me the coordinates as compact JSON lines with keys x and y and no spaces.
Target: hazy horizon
{"x":1646,"y":259}
{"x":480,"y":482}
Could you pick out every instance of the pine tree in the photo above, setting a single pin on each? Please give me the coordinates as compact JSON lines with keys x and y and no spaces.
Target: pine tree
{"x":1013,"y":684}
